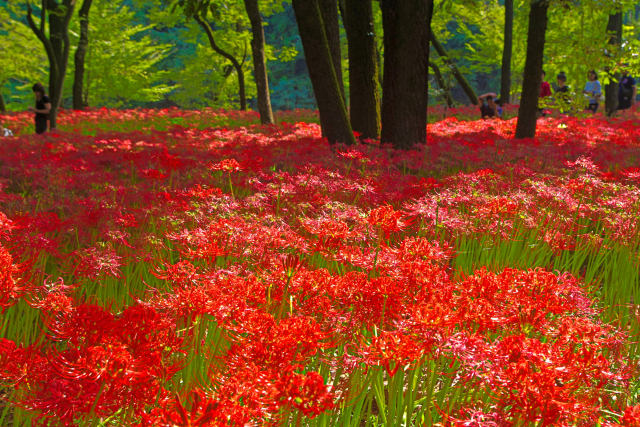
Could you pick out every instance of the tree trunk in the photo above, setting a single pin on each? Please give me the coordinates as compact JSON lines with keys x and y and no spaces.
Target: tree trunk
{"x":59,"y":35}
{"x":446,"y":93}
{"x":79,"y":102}
{"x":364,"y":98}
{"x":405,"y":85}
{"x":614,"y":29}
{"x":505,"y":75}
{"x":259,"y":62}
{"x":333,"y":113}
{"x":528,"y":112}
{"x":329,"y":13}
{"x":3,"y":105}
{"x":462,"y":81}
{"x":234,"y":62}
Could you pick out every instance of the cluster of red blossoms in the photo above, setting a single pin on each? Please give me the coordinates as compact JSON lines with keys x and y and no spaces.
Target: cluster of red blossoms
{"x":255,"y":275}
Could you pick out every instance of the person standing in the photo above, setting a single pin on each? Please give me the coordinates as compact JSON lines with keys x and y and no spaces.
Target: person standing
{"x":627,"y":91}
{"x":593,"y":89}
{"x":42,"y":109}
{"x":545,"y":91}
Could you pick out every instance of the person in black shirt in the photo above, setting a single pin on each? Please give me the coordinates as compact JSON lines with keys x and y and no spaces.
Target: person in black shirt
{"x":626,"y":91}
{"x":43,"y":108}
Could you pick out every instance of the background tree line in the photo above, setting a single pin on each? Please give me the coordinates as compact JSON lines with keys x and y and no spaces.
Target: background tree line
{"x":197,"y":53}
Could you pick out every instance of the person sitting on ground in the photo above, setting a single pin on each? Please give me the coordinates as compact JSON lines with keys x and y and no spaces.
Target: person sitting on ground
{"x":42,"y":109}
{"x":4,"y":131}
{"x":489,"y":105}
{"x":594,"y":90}
{"x":627,"y":91}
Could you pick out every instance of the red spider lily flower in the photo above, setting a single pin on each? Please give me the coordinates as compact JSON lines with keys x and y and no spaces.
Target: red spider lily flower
{"x":12,"y":287}
{"x":631,"y":417}
{"x":388,"y":220}
{"x":352,"y":154}
{"x":95,"y":261}
{"x":154,"y":174}
{"x":204,"y":412}
{"x":306,"y":392}
{"x":226,"y":165}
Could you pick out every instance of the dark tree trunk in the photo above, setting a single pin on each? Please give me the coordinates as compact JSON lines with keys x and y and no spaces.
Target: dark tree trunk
{"x":79,"y":102}
{"x":56,"y":45}
{"x":59,"y":35}
{"x":528,"y":112}
{"x":364,"y":98}
{"x":505,"y":75}
{"x":406,"y":71}
{"x":462,"y":81}
{"x":333,"y":113}
{"x":614,"y":29}
{"x":329,"y":13}
{"x":237,"y":66}
{"x":259,"y":62}
{"x":3,"y":105}
{"x":446,"y":92}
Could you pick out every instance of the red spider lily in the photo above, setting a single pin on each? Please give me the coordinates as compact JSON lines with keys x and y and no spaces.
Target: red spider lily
{"x":93,"y":262}
{"x":227,"y":165}
{"x":205,"y":411}
{"x":631,"y":417}
{"x":154,"y":174}
{"x":307,"y":392}
{"x":388,"y":220}
{"x":12,"y":287}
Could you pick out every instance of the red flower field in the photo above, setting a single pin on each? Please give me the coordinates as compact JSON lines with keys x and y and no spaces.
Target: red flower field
{"x":191,"y":268}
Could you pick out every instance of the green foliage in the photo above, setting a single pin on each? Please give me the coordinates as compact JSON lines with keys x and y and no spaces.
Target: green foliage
{"x":142,"y":52}
{"x":22,"y":59}
{"x":121,"y":61}
{"x":206,"y":79}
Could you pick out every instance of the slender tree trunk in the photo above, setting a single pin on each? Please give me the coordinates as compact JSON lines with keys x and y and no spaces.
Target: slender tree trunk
{"x":3,"y":105}
{"x":333,"y":112}
{"x":59,"y":33}
{"x":364,"y":97}
{"x":79,"y":102}
{"x":406,"y":71}
{"x":329,"y":12}
{"x":234,"y":62}
{"x":505,"y":75}
{"x":614,"y":29}
{"x":259,"y":62}
{"x":528,"y":112}
{"x":441,"y":84}
{"x":462,"y":81}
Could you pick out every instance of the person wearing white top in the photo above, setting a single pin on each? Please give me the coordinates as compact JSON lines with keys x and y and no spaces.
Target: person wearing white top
{"x":593,"y":90}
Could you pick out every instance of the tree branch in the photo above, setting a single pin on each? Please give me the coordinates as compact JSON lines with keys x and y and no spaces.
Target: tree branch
{"x":39,"y":32}
{"x":212,"y":41}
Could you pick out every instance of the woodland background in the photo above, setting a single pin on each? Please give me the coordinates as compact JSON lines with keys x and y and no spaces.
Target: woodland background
{"x":144,"y":53}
